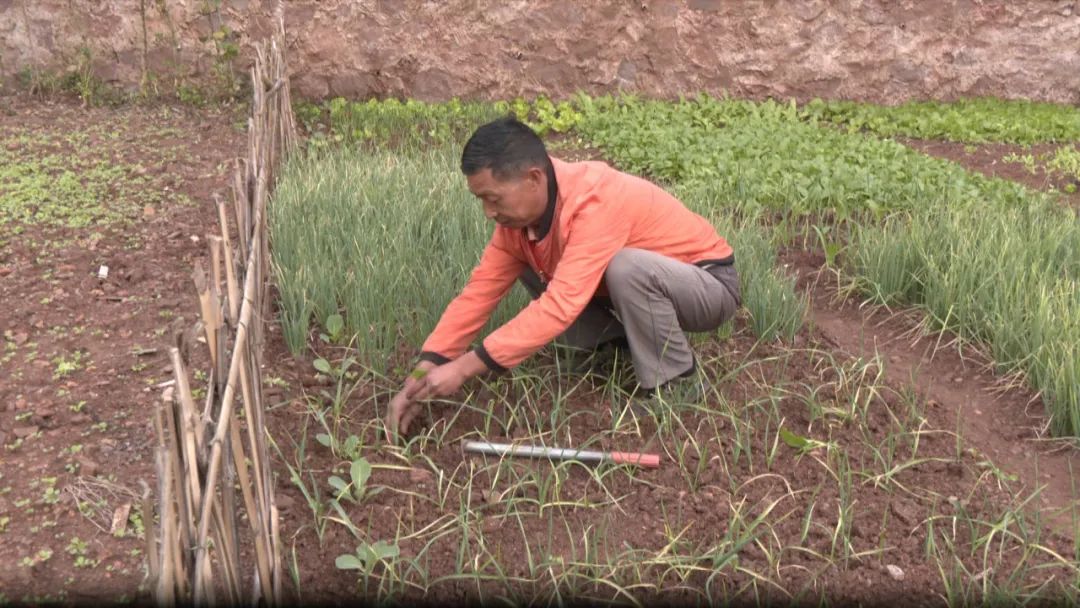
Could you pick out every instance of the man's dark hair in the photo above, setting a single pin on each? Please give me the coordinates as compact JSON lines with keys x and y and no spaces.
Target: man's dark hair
{"x":507,"y":146}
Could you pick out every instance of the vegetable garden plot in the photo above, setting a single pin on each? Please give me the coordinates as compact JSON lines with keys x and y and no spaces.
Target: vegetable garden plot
{"x":802,"y":475}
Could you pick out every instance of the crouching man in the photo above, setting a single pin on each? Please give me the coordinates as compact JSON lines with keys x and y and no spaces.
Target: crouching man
{"x":607,"y":257}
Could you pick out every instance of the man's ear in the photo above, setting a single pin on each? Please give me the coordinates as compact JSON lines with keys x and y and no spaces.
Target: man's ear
{"x":536,"y":176}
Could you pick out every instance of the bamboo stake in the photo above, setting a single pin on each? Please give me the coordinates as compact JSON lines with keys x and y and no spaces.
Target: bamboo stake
{"x":164,"y":590}
{"x":189,"y":424}
{"x":239,"y":205}
{"x":230,"y":272}
{"x":184,"y":504}
{"x":183,"y":391}
{"x":223,"y":425}
{"x":207,"y":309}
{"x":214,"y":242}
{"x":255,"y":515}
{"x":228,"y":558}
{"x":275,"y":538}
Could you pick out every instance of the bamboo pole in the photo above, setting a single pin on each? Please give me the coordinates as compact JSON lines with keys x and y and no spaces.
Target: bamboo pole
{"x":184,"y":505}
{"x":230,"y":269}
{"x":213,"y":241}
{"x":207,"y":310}
{"x":198,"y":473}
{"x":224,"y":418}
{"x":255,"y":514}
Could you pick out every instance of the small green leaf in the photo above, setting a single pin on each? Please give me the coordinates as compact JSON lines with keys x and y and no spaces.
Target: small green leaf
{"x":338,"y":484}
{"x":322,"y":365}
{"x":352,"y":443}
{"x":324,"y":439}
{"x":348,"y":562}
{"x":382,"y":550}
{"x":335,"y":324}
{"x":360,"y":472}
{"x":793,"y":440}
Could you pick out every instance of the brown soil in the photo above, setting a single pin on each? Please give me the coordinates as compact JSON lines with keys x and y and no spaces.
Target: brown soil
{"x":988,"y":159}
{"x":90,"y":429}
{"x":639,"y":515}
{"x":1004,"y":420}
{"x":649,"y":505}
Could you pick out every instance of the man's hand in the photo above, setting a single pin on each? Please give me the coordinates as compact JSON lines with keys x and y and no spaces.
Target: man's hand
{"x":429,"y":381}
{"x":445,"y":380}
{"x":403,"y":409}
{"x":442,"y":381}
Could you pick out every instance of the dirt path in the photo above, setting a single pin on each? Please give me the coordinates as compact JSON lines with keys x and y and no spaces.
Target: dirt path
{"x":989,"y":159}
{"x":1004,"y":424}
{"x":80,"y":355}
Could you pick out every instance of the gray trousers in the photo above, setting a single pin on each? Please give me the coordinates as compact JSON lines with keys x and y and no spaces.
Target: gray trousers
{"x":656,"y":299}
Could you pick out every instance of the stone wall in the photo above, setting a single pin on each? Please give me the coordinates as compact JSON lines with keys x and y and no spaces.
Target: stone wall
{"x":878,"y":50}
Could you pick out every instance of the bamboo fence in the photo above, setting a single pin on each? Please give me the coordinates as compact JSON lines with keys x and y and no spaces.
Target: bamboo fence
{"x":200,"y":552}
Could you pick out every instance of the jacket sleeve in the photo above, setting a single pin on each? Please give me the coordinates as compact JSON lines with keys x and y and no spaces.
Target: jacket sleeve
{"x":467,"y":313}
{"x":595,"y":235}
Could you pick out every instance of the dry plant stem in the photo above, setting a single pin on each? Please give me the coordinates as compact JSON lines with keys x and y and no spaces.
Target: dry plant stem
{"x":230,"y":270}
{"x":184,"y":504}
{"x":255,"y":514}
{"x":240,"y":205}
{"x":183,"y":392}
{"x":164,"y":591}
{"x":207,"y":310}
{"x":146,"y":506}
{"x":275,"y":536}
{"x":225,"y":416}
{"x":214,"y":242}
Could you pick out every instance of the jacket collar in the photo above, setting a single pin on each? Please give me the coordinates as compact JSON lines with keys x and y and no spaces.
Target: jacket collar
{"x":541,"y":230}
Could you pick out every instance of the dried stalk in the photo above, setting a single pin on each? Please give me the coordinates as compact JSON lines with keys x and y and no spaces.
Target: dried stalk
{"x":207,"y":309}
{"x":230,"y":270}
{"x":224,"y":418}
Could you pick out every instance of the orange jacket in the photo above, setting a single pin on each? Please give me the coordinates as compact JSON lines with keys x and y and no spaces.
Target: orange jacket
{"x":598,"y":211}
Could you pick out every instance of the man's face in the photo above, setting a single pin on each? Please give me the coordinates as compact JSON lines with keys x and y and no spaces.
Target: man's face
{"x":512,"y":202}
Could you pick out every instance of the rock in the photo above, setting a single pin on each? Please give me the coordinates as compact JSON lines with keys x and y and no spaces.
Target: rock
{"x":420,"y":475}
{"x":284,"y":502}
{"x":25,"y":431}
{"x":895,"y":572}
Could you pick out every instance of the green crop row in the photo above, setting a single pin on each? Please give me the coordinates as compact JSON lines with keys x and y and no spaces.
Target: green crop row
{"x":1008,"y":279}
{"x":980,"y":120}
{"x":387,"y":240}
{"x":764,"y":156}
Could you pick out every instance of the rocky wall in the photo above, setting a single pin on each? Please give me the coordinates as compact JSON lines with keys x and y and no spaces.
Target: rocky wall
{"x":877,"y":50}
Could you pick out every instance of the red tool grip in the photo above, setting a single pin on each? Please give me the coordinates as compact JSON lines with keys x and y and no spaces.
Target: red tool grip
{"x":649,"y":461}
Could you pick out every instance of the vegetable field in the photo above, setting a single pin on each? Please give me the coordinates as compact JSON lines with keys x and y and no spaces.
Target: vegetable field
{"x":892,"y":414}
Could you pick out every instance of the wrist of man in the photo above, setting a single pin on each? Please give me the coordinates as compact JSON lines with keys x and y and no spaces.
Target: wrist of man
{"x":469,"y":365}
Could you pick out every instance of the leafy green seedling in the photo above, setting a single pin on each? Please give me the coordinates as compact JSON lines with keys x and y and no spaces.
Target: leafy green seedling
{"x":356,"y":490}
{"x":800,"y":443}
{"x":367,"y":557}
{"x":335,"y":327}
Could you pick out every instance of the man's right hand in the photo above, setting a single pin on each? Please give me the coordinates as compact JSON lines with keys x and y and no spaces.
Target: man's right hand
{"x":403,"y":410}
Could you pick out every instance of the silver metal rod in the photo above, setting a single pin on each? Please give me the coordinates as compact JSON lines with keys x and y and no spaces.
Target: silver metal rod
{"x":589,"y":456}
{"x":533,"y":451}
